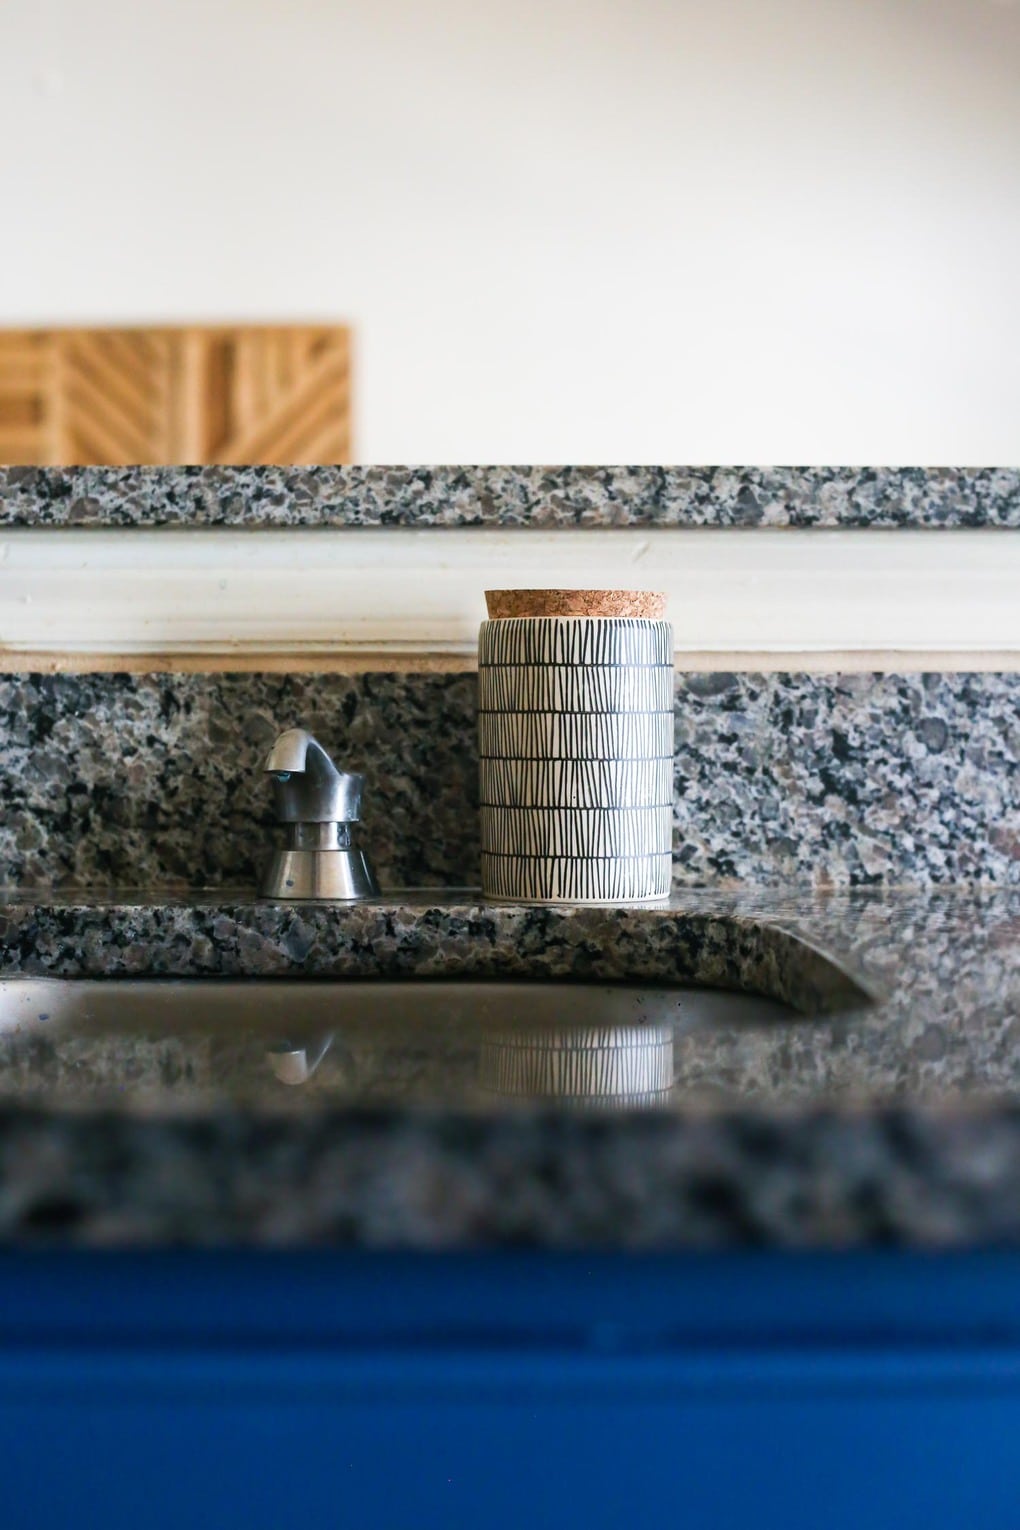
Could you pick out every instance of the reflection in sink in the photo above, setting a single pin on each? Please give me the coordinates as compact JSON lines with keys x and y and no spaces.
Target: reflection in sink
{"x":295,"y":1064}
{"x":608,"y":1065}
{"x":162,"y":1043}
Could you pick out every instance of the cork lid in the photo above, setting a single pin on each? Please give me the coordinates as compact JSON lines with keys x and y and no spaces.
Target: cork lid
{"x":505,"y":603}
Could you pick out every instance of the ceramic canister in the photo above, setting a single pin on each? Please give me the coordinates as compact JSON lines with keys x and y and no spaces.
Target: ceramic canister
{"x":576,"y":745}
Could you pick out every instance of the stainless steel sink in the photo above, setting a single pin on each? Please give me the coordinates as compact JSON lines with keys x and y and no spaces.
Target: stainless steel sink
{"x":166,"y":1042}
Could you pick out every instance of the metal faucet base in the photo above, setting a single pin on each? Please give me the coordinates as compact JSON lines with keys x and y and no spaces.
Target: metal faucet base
{"x":323,"y":876}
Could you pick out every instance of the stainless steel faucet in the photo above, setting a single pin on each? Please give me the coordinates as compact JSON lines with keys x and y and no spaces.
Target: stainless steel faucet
{"x":319,"y":804}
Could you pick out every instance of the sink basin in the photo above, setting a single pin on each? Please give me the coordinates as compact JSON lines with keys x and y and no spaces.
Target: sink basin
{"x":172,"y":1042}
{"x":188,"y":1004}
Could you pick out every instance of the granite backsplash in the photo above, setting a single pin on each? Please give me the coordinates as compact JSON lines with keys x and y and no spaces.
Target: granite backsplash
{"x":828,"y":780}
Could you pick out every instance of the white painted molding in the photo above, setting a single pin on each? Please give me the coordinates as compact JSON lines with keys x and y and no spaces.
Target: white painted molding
{"x":388,"y":593}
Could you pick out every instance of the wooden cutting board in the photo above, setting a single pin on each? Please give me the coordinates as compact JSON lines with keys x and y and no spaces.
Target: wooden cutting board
{"x":116,"y":397}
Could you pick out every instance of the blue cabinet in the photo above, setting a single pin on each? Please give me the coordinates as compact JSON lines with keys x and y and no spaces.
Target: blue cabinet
{"x":275,"y":1390}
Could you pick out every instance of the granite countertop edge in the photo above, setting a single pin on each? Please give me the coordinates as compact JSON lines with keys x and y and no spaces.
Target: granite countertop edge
{"x":508,"y":496}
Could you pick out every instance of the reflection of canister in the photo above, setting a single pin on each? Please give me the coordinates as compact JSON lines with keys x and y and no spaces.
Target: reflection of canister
{"x":576,"y":746}
{"x":611,"y":1066}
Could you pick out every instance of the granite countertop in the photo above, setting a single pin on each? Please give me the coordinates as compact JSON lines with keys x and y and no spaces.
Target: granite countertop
{"x":887,"y":1110}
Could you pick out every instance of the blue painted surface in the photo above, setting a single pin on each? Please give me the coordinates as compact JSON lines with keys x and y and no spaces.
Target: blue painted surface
{"x":509,"y":1390}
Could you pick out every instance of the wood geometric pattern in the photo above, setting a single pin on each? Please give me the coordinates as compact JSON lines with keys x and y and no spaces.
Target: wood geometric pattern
{"x":230,"y":394}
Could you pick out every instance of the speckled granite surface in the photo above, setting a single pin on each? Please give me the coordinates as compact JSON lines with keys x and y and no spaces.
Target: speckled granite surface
{"x":847,"y":779}
{"x":836,"y":780}
{"x":107,"y":778}
{"x":510,"y":496}
{"x":896,"y":1121}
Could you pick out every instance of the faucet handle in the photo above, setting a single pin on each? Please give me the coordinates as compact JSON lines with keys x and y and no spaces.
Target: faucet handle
{"x":307,"y":786}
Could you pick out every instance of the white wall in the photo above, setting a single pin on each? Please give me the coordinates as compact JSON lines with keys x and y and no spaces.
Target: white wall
{"x":656,"y":230}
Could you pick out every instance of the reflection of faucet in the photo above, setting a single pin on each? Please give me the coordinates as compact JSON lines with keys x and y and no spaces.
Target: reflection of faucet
{"x":616,"y":1067}
{"x":319,"y":805}
{"x":295,"y":1065}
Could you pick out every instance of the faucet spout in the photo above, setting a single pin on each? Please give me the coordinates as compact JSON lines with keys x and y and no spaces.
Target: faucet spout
{"x":307,"y":786}
{"x":290,"y":752}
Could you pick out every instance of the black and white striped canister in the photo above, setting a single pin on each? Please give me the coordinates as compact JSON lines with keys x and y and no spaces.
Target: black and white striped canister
{"x":576,"y":747}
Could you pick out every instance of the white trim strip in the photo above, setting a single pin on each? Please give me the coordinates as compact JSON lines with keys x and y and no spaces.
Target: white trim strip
{"x":280,"y":661}
{"x":329,"y":594}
